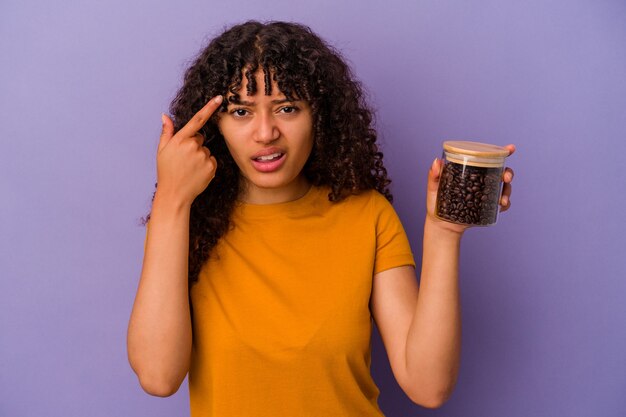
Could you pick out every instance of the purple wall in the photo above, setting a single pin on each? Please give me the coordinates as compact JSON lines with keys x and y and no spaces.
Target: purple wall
{"x":81,"y":92}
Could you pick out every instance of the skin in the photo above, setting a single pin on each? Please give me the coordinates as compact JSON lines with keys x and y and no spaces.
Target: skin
{"x":264,"y":122}
{"x":420,"y":327}
{"x":159,"y":332}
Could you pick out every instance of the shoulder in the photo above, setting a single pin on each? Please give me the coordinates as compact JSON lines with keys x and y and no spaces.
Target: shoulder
{"x":376,"y":202}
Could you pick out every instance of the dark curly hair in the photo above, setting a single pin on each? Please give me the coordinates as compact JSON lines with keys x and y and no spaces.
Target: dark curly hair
{"x":345,"y":156}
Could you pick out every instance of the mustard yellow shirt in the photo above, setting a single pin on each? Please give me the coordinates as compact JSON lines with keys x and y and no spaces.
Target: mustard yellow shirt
{"x":281,"y":319}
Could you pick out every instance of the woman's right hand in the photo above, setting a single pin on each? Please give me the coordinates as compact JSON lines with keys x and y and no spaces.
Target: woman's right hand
{"x":185,"y":167}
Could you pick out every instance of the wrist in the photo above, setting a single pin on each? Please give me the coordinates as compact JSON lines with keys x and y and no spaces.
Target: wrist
{"x":443,"y":229}
{"x":170,"y":201}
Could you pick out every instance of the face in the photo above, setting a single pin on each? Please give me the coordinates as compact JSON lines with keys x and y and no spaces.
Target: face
{"x":270,"y":139}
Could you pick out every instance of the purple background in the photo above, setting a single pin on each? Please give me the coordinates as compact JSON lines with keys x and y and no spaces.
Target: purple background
{"x":81,"y":92}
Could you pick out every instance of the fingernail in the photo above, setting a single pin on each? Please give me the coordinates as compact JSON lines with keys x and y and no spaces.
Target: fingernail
{"x":505,"y":201}
{"x":434,"y":164}
{"x":218,"y":99}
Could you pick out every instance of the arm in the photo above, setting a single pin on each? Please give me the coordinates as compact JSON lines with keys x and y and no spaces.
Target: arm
{"x":421,"y":329}
{"x":159,"y":332}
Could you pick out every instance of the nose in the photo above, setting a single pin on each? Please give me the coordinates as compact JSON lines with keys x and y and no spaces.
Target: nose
{"x":266,"y":129}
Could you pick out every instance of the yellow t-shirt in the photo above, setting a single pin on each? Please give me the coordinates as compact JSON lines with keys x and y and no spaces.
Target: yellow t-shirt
{"x":281,"y":319}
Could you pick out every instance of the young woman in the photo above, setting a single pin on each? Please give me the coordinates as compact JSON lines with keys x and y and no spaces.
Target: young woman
{"x":272,"y":243}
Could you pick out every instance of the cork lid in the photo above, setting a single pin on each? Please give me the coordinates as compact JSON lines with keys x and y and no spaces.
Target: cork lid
{"x":478,"y":149}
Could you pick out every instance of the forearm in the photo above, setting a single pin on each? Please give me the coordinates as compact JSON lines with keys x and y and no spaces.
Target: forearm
{"x":434,"y":338}
{"x":159,"y":332}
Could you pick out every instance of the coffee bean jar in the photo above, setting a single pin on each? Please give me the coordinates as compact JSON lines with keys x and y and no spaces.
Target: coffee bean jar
{"x":470,"y":183}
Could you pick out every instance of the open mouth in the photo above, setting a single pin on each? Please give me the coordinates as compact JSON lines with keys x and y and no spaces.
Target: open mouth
{"x":269,"y":158}
{"x":269,"y":163}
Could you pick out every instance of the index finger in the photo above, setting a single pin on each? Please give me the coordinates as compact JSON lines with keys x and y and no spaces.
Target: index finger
{"x":201,"y":117}
{"x":511,"y":148}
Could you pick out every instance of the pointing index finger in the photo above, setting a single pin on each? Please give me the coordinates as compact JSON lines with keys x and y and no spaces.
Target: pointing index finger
{"x":201,"y":117}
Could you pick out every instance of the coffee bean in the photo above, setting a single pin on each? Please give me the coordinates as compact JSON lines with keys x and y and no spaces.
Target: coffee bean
{"x":469,"y":194}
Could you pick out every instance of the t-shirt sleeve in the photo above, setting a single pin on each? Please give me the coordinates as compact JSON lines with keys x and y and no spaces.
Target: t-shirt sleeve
{"x":392,"y":245}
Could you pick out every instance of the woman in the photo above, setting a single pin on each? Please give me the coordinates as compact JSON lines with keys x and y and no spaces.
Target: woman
{"x":272,"y":243}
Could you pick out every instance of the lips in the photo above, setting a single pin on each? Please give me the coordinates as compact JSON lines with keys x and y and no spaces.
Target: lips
{"x":268,"y":160}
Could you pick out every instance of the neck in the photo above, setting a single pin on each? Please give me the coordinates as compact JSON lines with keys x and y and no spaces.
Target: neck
{"x":253,"y":194}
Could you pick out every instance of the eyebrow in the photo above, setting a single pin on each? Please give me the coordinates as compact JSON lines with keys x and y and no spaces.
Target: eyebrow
{"x":252,"y":104}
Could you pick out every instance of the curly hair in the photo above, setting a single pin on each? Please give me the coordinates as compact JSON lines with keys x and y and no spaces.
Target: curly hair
{"x":345,"y":156}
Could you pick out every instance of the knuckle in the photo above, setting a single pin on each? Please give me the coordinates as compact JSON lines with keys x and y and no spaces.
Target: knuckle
{"x":186,"y":143}
{"x":199,"y":119}
{"x":190,"y":145}
{"x":212,"y":163}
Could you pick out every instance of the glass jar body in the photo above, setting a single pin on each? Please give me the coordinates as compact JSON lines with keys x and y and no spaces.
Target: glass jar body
{"x":469,"y":189}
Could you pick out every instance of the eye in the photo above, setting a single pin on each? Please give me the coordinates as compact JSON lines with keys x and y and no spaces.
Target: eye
{"x":239,"y":112}
{"x":289,"y":109}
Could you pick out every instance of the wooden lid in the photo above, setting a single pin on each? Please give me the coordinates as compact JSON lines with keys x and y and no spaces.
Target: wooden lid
{"x":484,"y":150}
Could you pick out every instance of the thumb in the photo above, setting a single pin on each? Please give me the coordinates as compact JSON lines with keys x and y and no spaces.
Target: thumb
{"x":166,"y":132}
{"x":433,"y":175}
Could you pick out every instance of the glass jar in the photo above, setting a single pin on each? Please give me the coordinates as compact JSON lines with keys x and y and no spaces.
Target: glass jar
{"x":470,"y":183}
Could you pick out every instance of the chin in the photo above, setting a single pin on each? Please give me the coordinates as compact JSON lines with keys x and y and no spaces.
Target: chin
{"x":268,"y":181}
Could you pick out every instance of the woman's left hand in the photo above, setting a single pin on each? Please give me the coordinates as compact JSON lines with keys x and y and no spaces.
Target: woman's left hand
{"x":433,"y":185}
